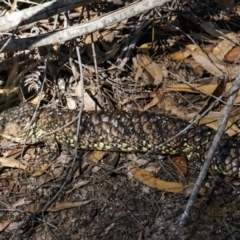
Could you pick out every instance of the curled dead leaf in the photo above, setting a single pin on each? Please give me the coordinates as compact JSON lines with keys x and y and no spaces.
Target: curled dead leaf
{"x":42,"y":170}
{"x":178,"y":56}
{"x":152,"y":69}
{"x":233,"y":55}
{"x":4,"y":224}
{"x":54,"y":207}
{"x":206,"y":89}
{"x":147,"y":178}
{"x":11,"y":162}
{"x":96,"y":156}
{"x":181,"y":163}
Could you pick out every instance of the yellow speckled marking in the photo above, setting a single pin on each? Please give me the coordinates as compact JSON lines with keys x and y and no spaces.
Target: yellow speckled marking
{"x":107,"y":147}
{"x":124,"y":145}
{"x":100,"y":145}
{"x":144,"y":149}
{"x":125,"y":136}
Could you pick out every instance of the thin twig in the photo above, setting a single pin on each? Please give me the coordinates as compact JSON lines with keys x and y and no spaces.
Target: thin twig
{"x":37,"y":13}
{"x":77,"y":136}
{"x":186,"y":215}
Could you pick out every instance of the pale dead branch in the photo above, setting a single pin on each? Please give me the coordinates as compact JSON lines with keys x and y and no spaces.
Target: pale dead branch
{"x":62,"y":36}
{"x":39,"y":12}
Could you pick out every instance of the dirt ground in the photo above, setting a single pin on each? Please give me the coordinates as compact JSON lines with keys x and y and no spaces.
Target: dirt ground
{"x":178,"y":59}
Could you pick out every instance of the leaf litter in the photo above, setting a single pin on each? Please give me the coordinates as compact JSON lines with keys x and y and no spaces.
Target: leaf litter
{"x":177,"y":59}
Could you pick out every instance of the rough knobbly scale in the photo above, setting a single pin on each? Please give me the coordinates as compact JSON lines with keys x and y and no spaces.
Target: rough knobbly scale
{"x":120,"y":131}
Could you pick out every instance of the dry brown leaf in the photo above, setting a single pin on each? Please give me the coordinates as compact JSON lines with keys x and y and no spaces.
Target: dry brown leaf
{"x":77,"y":185}
{"x":71,"y":103}
{"x":232,"y":71}
{"x":20,"y":202}
{"x":198,"y":69}
{"x":192,"y":47}
{"x":93,"y":37}
{"x":138,"y":71}
{"x":148,"y":179}
{"x":109,"y":35}
{"x":212,"y":64}
{"x":144,"y":49}
{"x":112,"y":31}
{"x":54,"y":207}
{"x":218,"y":91}
{"x":4,"y":224}
{"x":134,"y":97}
{"x":154,"y":72}
{"x":44,"y":178}
{"x":237,"y":99}
{"x":181,"y":163}
{"x":89,"y":103}
{"x":178,"y":56}
{"x":212,"y":120}
{"x":233,"y":55}
{"x":207,"y":64}
{"x":225,"y":46}
{"x":15,"y":152}
{"x":58,"y":206}
{"x":153,"y":168}
{"x":196,"y":88}
{"x":152,"y":103}
{"x":170,"y":106}
{"x":12,"y":163}
{"x":97,"y":156}
{"x":42,"y":170}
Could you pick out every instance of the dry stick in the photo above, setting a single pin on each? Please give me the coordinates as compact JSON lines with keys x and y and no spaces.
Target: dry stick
{"x":69,"y":174}
{"x":62,"y":36}
{"x":185,"y":216}
{"x":81,"y":104}
{"x":36,"y":13}
{"x":95,"y":63}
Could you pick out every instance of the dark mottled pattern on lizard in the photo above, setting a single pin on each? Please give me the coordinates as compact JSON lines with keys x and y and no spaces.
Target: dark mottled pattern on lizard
{"x":121,"y":131}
